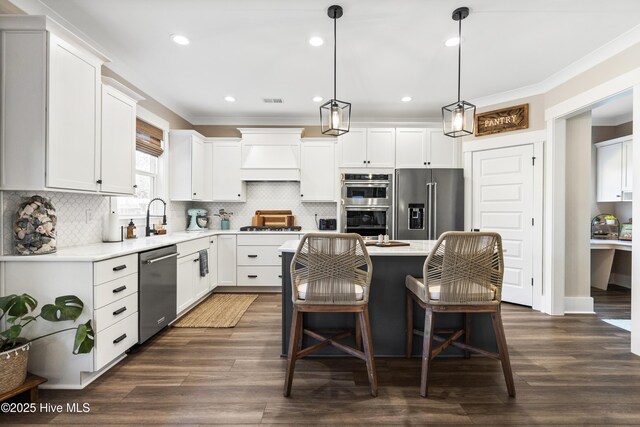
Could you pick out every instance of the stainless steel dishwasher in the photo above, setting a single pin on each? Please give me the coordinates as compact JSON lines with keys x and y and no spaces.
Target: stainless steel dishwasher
{"x":158,"y":277}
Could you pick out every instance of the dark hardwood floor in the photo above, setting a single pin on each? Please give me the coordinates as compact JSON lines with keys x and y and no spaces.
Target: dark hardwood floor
{"x":568,"y":370}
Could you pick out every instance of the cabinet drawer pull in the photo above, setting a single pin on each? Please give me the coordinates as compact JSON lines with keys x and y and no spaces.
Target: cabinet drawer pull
{"x":280,"y":276}
{"x":279,"y":255}
{"x":120,"y":310}
{"x":99,"y":181}
{"x":120,"y":338}
{"x":252,"y":256}
{"x":120,"y":289}
{"x":120,"y":267}
{"x":196,"y":260}
{"x":252,"y":276}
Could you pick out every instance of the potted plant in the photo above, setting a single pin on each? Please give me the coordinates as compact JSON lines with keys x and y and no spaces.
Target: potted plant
{"x":224,"y":218}
{"x":610,"y":219}
{"x":19,"y":312}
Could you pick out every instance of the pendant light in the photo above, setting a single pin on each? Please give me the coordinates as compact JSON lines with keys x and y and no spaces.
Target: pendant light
{"x":335,"y":115}
{"x":458,"y":118}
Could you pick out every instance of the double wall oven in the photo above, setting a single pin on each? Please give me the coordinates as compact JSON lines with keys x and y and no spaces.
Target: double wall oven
{"x":367,"y":201}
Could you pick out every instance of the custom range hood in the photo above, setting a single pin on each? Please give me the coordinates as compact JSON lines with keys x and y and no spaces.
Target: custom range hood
{"x":270,"y":154}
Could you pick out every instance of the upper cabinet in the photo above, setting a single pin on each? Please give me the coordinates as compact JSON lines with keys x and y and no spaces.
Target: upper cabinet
{"x":270,"y":154}
{"x":51,"y":113}
{"x":425,"y":148}
{"x":614,"y":172}
{"x":368,"y":148}
{"x":317,"y":170}
{"x":187,"y":165}
{"x":118,"y":141}
{"x":226,"y":184}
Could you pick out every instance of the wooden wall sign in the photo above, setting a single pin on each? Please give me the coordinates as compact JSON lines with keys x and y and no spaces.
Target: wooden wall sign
{"x":503,"y":120}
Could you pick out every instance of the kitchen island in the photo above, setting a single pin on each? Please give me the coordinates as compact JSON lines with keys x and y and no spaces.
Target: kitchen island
{"x":387,"y":304}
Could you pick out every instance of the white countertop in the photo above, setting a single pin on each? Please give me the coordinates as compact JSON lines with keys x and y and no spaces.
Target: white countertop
{"x":101,"y":251}
{"x":416,"y":248}
{"x":623,"y":245}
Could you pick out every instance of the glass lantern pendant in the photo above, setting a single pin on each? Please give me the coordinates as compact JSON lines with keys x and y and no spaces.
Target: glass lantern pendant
{"x":335,"y":115}
{"x":458,"y":119}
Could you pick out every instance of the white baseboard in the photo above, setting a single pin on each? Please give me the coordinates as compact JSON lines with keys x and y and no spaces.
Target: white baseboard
{"x":248,"y":289}
{"x":575,"y":305}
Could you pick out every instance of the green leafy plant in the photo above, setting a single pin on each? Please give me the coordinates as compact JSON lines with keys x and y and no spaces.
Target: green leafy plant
{"x":19,"y":312}
{"x":610,"y":217}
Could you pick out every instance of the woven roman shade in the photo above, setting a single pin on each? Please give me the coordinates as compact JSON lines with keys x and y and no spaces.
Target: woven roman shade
{"x":148,"y":138}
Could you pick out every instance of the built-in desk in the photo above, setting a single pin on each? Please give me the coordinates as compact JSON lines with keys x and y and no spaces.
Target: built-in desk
{"x":602,"y":253}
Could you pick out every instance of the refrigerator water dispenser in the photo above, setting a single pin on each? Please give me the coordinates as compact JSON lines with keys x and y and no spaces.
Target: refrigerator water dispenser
{"x":416,"y":216}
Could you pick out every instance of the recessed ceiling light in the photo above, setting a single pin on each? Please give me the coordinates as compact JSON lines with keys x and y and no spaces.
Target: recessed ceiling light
{"x":317,"y":99}
{"x":316,"y":41}
{"x":180,"y":39}
{"x":406,"y":99}
{"x":229,"y":99}
{"x":453,"y":41}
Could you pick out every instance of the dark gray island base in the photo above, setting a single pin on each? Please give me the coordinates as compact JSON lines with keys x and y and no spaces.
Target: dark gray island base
{"x":387,"y":311}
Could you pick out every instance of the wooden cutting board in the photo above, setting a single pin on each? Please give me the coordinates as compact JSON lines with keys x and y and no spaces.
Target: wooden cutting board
{"x":273,"y":218}
{"x":389,"y":244}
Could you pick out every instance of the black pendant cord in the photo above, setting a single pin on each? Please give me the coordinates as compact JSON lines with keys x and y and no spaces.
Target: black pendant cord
{"x":459,"y":52}
{"x":335,"y":43}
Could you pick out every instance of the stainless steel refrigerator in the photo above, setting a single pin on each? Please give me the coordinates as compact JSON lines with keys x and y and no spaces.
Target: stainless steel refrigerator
{"x":428,"y":202}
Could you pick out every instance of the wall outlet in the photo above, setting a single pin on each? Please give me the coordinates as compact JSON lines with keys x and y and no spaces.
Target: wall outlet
{"x":89,"y":213}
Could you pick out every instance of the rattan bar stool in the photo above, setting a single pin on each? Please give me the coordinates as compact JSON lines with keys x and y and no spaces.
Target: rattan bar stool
{"x":462,"y":274}
{"x":331,"y":273}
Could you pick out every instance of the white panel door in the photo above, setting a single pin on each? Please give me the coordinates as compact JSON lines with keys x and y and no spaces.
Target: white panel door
{"x":118,"y":142}
{"x":609,"y":173}
{"x":73,"y":155}
{"x":381,"y":148}
{"x":503,"y":202}
{"x":353,"y":149}
{"x":213,"y":262}
{"x":227,"y":185}
{"x":227,"y":260}
{"x":207,"y":186}
{"x":185,"y":291}
{"x":317,"y":172}
{"x":627,"y":170}
{"x":197,"y":169}
{"x":411,"y":148}
{"x":442,"y":151}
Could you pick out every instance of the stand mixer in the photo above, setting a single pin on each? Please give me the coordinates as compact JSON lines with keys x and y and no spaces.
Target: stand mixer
{"x":198,"y":219}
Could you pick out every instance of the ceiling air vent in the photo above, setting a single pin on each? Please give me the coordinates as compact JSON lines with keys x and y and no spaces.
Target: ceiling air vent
{"x":272,"y":100}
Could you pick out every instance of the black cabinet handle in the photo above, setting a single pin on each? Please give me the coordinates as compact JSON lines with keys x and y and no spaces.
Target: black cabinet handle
{"x":252,"y":276}
{"x":194,"y":194}
{"x":135,"y":185}
{"x":368,"y":161}
{"x":238,"y":195}
{"x":196,"y":260}
{"x":120,"y":338}
{"x":99,"y":181}
{"x":428,"y":163}
{"x":120,"y":289}
{"x":302,"y":195}
{"x":252,"y":256}
{"x":120,"y":267}
{"x":364,"y":161}
{"x":120,"y":310}
{"x":280,"y":276}
{"x":425,"y":163}
{"x":279,"y":255}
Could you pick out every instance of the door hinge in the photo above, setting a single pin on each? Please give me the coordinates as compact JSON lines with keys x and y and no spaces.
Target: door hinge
{"x":533,"y":161}
{"x":532,"y":281}
{"x":533,"y":221}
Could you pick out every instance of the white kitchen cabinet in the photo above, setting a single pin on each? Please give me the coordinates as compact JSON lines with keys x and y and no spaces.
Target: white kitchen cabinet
{"x":213,"y":262}
{"x":186,"y":161}
{"x":614,"y":171}
{"x":368,"y":148}
{"x":191,"y":286}
{"x":51,"y":107}
{"x":227,"y":184}
{"x":207,"y":189}
{"x":258,"y":259}
{"x":425,"y":148}
{"x":118,"y":142}
{"x":270,"y":154}
{"x":227,"y":260}
{"x":317,"y":171}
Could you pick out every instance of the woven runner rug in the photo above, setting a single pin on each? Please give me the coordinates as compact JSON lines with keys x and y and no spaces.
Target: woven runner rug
{"x":217,"y":311}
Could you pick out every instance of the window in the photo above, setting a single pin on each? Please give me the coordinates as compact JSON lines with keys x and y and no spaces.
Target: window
{"x":147,"y":181}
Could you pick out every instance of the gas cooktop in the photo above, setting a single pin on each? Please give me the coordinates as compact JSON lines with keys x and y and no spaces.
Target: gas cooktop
{"x":271,"y":228}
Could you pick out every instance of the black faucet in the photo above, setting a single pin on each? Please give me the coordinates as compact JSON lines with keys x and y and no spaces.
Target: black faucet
{"x":147,"y":229}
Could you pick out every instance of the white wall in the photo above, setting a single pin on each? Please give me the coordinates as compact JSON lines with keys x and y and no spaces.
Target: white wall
{"x":579,"y":191}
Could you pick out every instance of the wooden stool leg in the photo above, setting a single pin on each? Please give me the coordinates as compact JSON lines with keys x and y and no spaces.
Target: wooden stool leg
{"x":409,"y":341}
{"x":294,"y":338}
{"x":368,"y":350}
{"x":426,"y":350}
{"x":358,"y":337}
{"x":301,"y":331}
{"x":501,"y":341}
{"x":467,"y":333}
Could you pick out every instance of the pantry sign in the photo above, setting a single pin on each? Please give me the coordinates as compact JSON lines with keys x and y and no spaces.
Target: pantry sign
{"x":503,"y":120}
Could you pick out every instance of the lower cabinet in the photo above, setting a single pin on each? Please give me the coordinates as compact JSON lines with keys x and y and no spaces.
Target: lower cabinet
{"x":213,"y":262}
{"x":227,"y":260}
{"x":259,"y":262}
{"x":191,"y":284}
